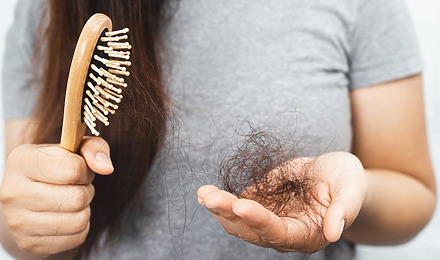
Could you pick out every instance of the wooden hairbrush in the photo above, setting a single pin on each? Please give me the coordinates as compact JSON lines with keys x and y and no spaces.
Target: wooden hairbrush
{"x":95,"y":80}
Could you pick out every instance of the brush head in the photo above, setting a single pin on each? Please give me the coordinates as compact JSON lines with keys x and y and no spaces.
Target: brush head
{"x":105,"y":82}
{"x":96,"y":79}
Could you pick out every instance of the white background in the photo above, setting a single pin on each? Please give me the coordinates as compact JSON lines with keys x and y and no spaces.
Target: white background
{"x":426,"y":16}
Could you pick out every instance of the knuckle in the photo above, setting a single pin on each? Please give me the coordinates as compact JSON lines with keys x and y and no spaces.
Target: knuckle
{"x":232,"y":232}
{"x":14,"y":223}
{"x":75,"y":168}
{"x":276,"y":243}
{"x":22,"y":244}
{"x":89,"y":193}
{"x":18,"y":151}
{"x":82,"y":220}
{"x":79,"y":238}
{"x":5,"y":196}
{"x":91,"y":190}
{"x":80,"y":198}
{"x":12,"y":158}
{"x":17,"y":155}
{"x":231,"y":218}
{"x":39,"y":246}
{"x":250,"y":238}
{"x":83,"y":236}
{"x":25,"y":244}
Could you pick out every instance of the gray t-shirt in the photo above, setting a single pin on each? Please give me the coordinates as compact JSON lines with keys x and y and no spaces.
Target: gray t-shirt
{"x":287,"y":64}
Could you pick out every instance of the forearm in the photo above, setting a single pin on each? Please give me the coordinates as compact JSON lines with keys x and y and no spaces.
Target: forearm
{"x":396,"y":209}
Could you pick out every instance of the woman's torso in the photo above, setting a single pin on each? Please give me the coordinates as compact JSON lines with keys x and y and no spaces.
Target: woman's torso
{"x":280,"y":64}
{"x":288,"y":65}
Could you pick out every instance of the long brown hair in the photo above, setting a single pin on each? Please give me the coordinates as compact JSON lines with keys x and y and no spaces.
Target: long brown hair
{"x":138,"y":129}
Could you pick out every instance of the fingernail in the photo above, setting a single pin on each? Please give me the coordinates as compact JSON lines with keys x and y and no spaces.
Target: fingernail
{"x":342,"y":227}
{"x":104,"y":159}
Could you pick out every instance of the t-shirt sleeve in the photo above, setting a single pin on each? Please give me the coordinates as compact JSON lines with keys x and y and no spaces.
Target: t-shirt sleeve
{"x":383,"y":44}
{"x":18,"y":96}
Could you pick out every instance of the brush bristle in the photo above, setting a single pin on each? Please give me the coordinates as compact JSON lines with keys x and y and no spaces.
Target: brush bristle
{"x":105,"y":82}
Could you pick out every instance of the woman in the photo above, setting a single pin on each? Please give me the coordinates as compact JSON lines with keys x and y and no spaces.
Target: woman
{"x":349,"y":69}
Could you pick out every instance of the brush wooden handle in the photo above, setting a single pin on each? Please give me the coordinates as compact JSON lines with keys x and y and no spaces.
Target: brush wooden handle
{"x":73,"y":127}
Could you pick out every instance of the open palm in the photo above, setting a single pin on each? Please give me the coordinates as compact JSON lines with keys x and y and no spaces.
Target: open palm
{"x":336,"y":201}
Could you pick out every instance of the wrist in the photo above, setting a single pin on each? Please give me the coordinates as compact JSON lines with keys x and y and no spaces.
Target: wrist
{"x":368,"y":196}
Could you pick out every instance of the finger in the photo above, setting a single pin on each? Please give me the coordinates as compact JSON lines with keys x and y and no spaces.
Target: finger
{"x":49,"y":223}
{"x":238,"y":228}
{"x":266,"y":224}
{"x":50,"y":164}
{"x":50,"y":245}
{"x":334,"y":221}
{"x":202,"y":191}
{"x":55,"y":198}
{"x":220,"y":203}
{"x":96,"y":152}
{"x":341,"y":213}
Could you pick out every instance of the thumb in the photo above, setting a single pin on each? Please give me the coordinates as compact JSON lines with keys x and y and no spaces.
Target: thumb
{"x":334,"y":221}
{"x":342,"y":212}
{"x":96,"y":153}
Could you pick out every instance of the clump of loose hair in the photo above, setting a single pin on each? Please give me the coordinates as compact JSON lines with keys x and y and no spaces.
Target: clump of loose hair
{"x":270,"y":169}
{"x":265,"y":169}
